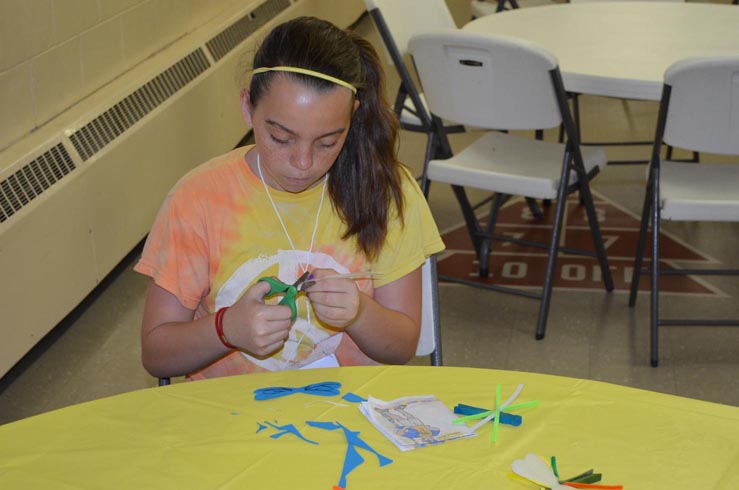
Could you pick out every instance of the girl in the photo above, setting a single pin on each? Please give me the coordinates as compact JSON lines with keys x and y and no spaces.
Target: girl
{"x":321,"y":192}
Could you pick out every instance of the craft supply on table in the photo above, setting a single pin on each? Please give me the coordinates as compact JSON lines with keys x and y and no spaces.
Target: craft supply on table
{"x":326,"y":388}
{"x":413,"y":422}
{"x":505,"y":417}
{"x":535,"y":470}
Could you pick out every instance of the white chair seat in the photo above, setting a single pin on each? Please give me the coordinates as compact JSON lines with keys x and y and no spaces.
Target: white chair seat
{"x":699,"y":192}
{"x":509,"y":164}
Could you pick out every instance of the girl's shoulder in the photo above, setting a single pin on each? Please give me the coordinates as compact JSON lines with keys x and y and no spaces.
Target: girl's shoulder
{"x":214,"y":175}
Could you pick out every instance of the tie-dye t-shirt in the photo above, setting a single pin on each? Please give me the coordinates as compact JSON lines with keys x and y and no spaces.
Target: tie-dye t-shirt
{"x":217,"y":233}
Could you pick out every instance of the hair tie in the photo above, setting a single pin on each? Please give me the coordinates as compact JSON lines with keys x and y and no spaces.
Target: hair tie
{"x":311,"y":73}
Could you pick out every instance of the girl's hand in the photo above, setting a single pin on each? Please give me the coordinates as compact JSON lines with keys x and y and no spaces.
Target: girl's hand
{"x":255,"y":327}
{"x":336,"y":301}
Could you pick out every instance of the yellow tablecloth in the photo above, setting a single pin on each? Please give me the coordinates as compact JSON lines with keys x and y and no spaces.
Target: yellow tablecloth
{"x":203,"y":435}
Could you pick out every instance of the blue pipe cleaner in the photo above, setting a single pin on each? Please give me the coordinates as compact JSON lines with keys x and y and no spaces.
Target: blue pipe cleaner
{"x":326,"y":388}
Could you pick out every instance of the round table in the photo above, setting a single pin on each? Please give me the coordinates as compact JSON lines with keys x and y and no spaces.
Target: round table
{"x":620,"y":49}
{"x":206,"y":435}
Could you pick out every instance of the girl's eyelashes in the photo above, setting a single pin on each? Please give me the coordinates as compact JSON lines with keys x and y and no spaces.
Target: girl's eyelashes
{"x":278,"y":140}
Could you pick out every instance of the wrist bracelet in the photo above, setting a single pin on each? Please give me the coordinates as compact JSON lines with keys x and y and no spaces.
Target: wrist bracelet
{"x":219,"y":328}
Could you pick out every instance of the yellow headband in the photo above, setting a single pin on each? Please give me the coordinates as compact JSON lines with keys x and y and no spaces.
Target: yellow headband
{"x":310,"y":73}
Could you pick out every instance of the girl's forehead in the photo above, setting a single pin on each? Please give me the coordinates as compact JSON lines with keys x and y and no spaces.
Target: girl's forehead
{"x":284,"y":85}
{"x":288,"y":95}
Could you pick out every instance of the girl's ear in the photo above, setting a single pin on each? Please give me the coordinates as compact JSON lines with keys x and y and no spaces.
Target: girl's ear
{"x":246,"y":108}
{"x":356,"y":106}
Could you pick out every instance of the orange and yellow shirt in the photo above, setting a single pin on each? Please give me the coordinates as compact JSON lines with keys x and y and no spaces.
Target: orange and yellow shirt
{"x":217,"y":233}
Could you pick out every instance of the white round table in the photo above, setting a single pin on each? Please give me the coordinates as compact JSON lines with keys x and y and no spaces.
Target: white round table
{"x":620,"y":49}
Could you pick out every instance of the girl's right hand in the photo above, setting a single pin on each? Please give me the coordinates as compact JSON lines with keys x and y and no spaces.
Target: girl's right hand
{"x":255,"y":327}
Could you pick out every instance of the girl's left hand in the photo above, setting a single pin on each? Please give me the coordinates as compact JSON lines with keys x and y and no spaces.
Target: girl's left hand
{"x":336,"y":301}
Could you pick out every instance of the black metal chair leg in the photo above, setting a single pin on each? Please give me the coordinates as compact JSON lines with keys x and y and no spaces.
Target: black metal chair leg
{"x":534,"y":207}
{"x":639,"y":256}
{"x":576,"y":114}
{"x":587,"y":198}
{"x":486,"y":243}
{"x":428,"y":156}
{"x":473,"y":227}
{"x":546,"y":294}
{"x":654,"y":304}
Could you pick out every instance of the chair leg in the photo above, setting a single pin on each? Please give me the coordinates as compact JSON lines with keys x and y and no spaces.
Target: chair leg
{"x":654,"y":304}
{"x":486,"y":243}
{"x":587,"y":199}
{"x":534,"y":207}
{"x":473,"y":227}
{"x":576,"y":113}
{"x":429,"y":155}
{"x":639,"y":256}
{"x":546,"y":293}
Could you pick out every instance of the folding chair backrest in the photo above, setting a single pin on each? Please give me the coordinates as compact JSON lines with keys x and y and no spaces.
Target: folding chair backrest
{"x":486,"y":81}
{"x":703,"y":112}
{"x":406,"y":17}
{"x":429,"y":341}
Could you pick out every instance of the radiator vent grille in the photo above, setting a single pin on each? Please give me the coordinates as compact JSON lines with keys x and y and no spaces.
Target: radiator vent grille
{"x":33,"y":179}
{"x":96,"y":134}
{"x":233,"y":35}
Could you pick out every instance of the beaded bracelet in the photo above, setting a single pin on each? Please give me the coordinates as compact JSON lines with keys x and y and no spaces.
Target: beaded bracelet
{"x":219,"y":328}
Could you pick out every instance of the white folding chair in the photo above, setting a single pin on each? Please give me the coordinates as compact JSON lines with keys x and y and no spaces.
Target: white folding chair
{"x":429,"y":341}
{"x":502,"y":83}
{"x":699,"y":111}
{"x":396,"y":21}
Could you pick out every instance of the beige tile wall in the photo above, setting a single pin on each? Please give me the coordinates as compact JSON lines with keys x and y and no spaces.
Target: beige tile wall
{"x":53,"y":53}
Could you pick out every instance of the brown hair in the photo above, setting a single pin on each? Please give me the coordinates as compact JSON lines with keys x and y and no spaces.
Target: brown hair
{"x":365,"y":181}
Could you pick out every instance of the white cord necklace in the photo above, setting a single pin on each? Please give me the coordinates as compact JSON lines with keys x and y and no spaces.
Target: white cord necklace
{"x":303,"y":267}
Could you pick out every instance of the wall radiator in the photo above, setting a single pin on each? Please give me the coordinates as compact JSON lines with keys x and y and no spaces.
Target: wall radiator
{"x":77,"y":195}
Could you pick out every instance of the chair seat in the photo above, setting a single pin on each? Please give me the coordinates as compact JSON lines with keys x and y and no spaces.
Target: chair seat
{"x":704,"y":192}
{"x":508,"y":164}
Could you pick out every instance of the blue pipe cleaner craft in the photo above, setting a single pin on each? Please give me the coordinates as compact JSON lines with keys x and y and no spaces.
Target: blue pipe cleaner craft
{"x":326,"y":388}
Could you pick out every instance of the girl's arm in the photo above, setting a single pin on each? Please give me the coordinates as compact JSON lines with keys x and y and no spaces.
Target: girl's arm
{"x":174,"y":344}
